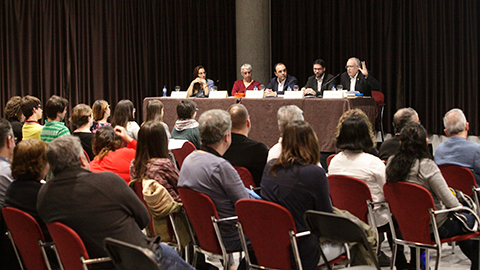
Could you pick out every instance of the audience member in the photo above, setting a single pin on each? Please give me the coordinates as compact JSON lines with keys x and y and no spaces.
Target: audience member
{"x":205,"y":171}
{"x":114,"y":150}
{"x":401,"y":118}
{"x":457,"y":150}
{"x":96,"y":205}
{"x":413,"y":163}
{"x":56,"y":108}
{"x":284,"y":115}
{"x":317,"y":83}
{"x":32,"y":110}
{"x":240,"y":86}
{"x":371,"y":131}
{"x":101,"y":113}
{"x":124,"y":116}
{"x":14,"y":115}
{"x":296,"y":182}
{"x":200,"y":86}
{"x":7,"y":144}
{"x":155,"y":113}
{"x":81,"y":117}
{"x":354,"y":140}
{"x":357,"y":78}
{"x":281,"y":82}
{"x":186,"y":127}
{"x":243,"y":151}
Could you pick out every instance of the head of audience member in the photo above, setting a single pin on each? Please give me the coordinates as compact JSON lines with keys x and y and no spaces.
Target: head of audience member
{"x":246,"y":71}
{"x":354,"y":134}
{"x":455,"y":123}
{"x":155,"y":111}
{"x":186,"y":109}
{"x":30,"y":160}
{"x":64,"y":153}
{"x":353,"y":66}
{"x":280,"y":71}
{"x":101,"y":110}
{"x":215,"y":130}
{"x":240,"y":119}
{"x":152,"y":143}
{"x":7,"y":139}
{"x":56,"y":108}
{"x":104,"y":141}
{"x":13,"y":109}
{"x":81,"y":116}
{"x":413,"y":146}
{"x":124,"y":112}
{"x":288,"y":113}
{"x":319,"y":68}
{"x":31,"y":108}
{"x":299,"y":144}
{"x":199,"y":72}
{"x":360,"y":113}
{"x":403,"y":117}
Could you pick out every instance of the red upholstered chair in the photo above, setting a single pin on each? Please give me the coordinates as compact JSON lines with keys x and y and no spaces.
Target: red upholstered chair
{"x":27,"y":238}
{"x":459,"y":177}
{"x":329,"y":159}
{"x":70,"y":247}
{"x":246,"y":177}
{"x":413,"y":207}
{"x":271,"y":230}
{"x":181,"y":153}
{"x":203,"y":216}
{"x":380,"y":100}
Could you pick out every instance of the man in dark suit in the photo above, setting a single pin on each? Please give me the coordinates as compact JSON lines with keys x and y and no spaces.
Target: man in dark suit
{"x":317,"y":83}
{"x":280,"y":83}
{"x":356,"y":78}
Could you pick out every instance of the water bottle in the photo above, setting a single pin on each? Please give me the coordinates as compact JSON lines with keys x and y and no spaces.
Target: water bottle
{"x":164,"y":91}
{"x":255,"y":88}
{"x":289,"y":88}
{"x":333,"y":88}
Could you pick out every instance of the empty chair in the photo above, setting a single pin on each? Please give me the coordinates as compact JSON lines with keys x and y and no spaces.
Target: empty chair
{"x":126,"y":256}
{"x":338,"y":229}
{"x":70,"y":247}
{"x":181,"y":153}
{"x":28,"y":239}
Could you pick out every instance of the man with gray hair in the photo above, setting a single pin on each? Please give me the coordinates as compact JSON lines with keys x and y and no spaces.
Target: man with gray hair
{"x":207,"y":172}
{"x":95,"y":205}
{"x":357,"y":78}
{"x":401,"y":118}
{"x":457,"y":150}
{"x":284,"y":115}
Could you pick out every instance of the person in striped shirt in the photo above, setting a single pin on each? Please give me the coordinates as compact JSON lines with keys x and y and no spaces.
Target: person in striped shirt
{"x":56,"y":108}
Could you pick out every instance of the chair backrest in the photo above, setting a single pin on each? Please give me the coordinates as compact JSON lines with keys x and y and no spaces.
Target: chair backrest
{"x":200,"y":210}
{"x":26,"y":234}
{"x":69,"y":245}
{"x":338,"y":229}
{"x":126,"y":256}
{"x":246,"y":176}
{"x":410,"y":204}
{"x":138,"y":188}
{"x":351,"y":194}
{"x":329,"y":159}
{"x":181,"y":153}
{"x":379,"y":98}
{"x":459,"y":177}
{"x":267,"y":225}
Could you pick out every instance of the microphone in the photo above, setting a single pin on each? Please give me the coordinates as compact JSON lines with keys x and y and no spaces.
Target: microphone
{"x":331,"y":80}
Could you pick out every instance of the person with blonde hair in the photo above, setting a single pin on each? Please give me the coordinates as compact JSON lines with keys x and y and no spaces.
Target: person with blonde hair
{"x":81,"y":117}
{"x":101,"y":112}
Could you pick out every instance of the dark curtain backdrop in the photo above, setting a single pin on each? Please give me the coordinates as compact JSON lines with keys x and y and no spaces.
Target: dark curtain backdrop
{"x":424,"y":53}
{"x":113,"y":49}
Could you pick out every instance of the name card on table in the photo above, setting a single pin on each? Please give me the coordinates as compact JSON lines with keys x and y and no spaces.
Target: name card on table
{"x":254,"y":94}
{"x":218,"y":94}
{"x":334,"y":94}
{"x":179,"y":94}
{"x":293,"y":95}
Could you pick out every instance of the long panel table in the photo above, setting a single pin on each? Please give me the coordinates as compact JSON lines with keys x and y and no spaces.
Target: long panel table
{"x":322,"y":114}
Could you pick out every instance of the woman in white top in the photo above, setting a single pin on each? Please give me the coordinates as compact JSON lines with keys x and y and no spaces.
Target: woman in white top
{"x":124,"y":115}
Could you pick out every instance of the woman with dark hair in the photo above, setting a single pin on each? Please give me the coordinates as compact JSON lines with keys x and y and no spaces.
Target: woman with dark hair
{"x":81,"y":117}
{"x":114,"y":150}
{"x":413,"y":163}
{"x":152,"y":160}
{"x":101,"y":113}
{"x":296,"y":182}
{"x":186,"y":127}
{"x":355,"y":140}
{"x":155,"y":113}
{"x":200,"y":86}
{"x":14,"y":115}
{"x":124,"y":115}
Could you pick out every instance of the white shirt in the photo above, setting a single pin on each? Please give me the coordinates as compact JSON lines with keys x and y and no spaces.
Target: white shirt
{"x":281,"y":84}
{"x":320,"y":82}
{"x":353,"y":80}
{"x":368,"y":168}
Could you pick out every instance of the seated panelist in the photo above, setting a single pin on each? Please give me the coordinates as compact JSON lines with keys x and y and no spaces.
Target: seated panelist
{"x":247,"y":83}
{"x":280,"y":83}
{"x":320,"y":81}
{"x":200,"y":86}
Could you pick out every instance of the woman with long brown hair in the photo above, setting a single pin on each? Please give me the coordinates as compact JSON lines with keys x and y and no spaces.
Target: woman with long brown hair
{"x":200,"y":85}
